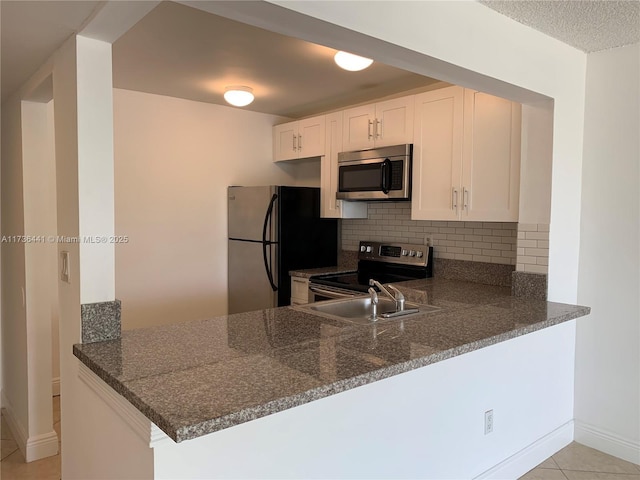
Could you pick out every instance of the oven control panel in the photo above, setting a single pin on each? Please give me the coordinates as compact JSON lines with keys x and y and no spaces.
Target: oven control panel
{"x":405,"y":254}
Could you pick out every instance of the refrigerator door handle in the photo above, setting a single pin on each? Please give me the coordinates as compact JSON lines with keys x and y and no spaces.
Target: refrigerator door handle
{"x":266,"y":243}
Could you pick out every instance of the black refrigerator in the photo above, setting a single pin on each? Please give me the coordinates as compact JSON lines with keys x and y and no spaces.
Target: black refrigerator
{"x":272,"y":230}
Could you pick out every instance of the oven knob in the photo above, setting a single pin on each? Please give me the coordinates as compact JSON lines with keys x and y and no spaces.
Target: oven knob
{"x":363,"y":248}
{"x":412,"y":253}
{"x":405,"y":252}
{"x":419,"y":254}
{"x":369,"y":249}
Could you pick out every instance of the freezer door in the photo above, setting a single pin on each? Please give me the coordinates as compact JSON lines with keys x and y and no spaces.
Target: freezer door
{"x":248,"y":207}
{"x":249,"y":285}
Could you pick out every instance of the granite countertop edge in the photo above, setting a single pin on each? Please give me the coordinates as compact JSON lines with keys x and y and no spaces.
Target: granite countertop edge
{"x":188,"y":432}
{"x":314,"y":272}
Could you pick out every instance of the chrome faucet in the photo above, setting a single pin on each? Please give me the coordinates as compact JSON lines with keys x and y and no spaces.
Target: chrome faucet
{"x":374,"y":303}
{"x":397,"y":297}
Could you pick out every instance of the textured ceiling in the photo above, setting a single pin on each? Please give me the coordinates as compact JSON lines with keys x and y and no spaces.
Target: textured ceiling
{"x":590,"y":25}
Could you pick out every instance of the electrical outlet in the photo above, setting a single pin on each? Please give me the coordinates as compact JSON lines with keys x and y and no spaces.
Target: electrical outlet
{"x":488,"y":422}
{"x":428,"y":239}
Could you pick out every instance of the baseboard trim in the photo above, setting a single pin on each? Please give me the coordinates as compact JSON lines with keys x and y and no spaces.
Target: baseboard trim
{"x":529,"y":457}
{"x":17,"y":429}
{"x":607,"y":442}
{"x":42,"y":446}
{"x":32,"y":448}
{"x":55,"y":386}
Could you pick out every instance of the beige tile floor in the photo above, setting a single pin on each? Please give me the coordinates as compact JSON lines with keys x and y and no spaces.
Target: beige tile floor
{"x":12,"y":464}
{"x":577,"y":462}
{"x":574,"y":462}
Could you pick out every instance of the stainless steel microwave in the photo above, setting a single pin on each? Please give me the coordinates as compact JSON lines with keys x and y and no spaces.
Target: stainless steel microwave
{"x":375,"y":174}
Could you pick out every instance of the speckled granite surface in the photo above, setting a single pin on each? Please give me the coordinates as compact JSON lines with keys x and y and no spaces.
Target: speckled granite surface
{"x":199,"y":377}
{"x":528,"y":284}
{"x":100,"y":321}
{"x":310,"y":272}
{"x":348,"y":258}
{"x":347,"y":262}
{"x":478,"y":272}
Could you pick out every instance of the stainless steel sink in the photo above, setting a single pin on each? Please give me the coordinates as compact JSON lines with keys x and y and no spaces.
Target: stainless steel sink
{"x":359,"y":309}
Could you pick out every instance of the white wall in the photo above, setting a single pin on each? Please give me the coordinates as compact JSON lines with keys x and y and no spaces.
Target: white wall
{"x":173,"y":161}
{"x":536,"y":163}
{"x":66,"y":131}
{"x":95,"y":170}
{"x":14,"y":320}
{"x":38,"y":162}
{"x":608,"y":341}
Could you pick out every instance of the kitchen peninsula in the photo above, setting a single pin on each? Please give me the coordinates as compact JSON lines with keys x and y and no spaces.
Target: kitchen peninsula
{"x":281,"y":393}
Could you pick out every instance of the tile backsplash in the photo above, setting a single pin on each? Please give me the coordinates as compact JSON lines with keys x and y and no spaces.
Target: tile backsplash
{"x":533,"y":248}
{"x":492,"y":242}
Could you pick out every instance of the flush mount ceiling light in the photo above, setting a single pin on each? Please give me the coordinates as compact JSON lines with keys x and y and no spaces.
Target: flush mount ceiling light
{"x":351,"y":62}
{"x":238,"y":95}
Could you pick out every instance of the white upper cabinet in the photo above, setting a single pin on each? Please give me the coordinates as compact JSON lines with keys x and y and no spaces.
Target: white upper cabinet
{"x":331,"y":207}
{"x":285,"y":141}
{"x":466,"y":163}
{"x":379,"y":125}
{"x":437,"y":154}
{"x":299,"y":139}
{"x":491,"y":158}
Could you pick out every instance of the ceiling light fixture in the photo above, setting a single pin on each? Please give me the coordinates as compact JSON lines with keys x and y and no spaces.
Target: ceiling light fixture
{"x":351,"y":62}
{"x":238,"y":95}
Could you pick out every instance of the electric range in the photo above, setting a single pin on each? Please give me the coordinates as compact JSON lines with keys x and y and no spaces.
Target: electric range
{"x":384,"y":262}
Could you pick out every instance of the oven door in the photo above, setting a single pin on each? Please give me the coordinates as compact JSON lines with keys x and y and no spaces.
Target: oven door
{"x":319,"y":293}
{"x":374,"y":179}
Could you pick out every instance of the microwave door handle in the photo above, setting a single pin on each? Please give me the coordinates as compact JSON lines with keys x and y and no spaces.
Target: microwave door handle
{"x":385,"y":173}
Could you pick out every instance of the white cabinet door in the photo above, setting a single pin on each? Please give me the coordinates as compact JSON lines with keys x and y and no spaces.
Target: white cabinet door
{"x":394,"y":122}
{"x":358,"y":128}
{"x":329,"y":167}
{"x":491,"y":158}
{"x":330,"y":207}
{"x":285,"y":141}
{"x":466,"y":157}
{"x":379,"y":125}
{"x":299,"y":139}
{"x":311,"y":137}
{"x":437,"y":154}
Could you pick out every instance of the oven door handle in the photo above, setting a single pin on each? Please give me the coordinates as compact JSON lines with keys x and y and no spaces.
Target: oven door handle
{"x":330,"y":293}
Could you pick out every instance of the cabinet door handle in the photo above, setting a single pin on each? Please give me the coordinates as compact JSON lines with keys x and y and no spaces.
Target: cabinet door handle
{"x":295,"y":147}
{"x":369,"y":134}
{"x":454,"y":199}
{"x":299,"y":142}
{"x":378,"y":128}
{"x":465,"y":199}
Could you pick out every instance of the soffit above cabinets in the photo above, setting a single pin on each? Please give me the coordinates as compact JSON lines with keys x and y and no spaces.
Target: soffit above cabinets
{"x":183,"y":52}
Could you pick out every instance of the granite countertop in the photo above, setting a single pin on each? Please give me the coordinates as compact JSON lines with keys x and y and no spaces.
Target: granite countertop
{"x":198,"y":377}
{"x":310,"y":272}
